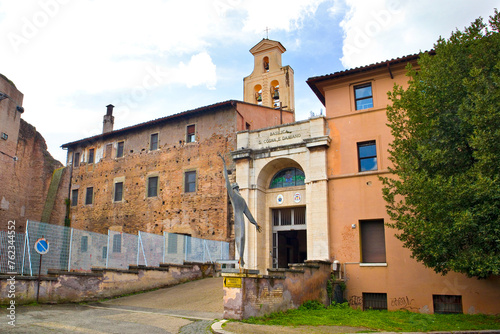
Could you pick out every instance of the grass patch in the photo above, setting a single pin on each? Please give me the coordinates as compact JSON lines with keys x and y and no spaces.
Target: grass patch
{"x":311,"y":314}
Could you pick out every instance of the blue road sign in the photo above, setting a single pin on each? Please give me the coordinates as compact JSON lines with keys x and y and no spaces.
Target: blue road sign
{"x":42,"y":246}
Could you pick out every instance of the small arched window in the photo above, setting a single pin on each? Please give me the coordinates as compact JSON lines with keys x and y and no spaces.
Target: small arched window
{"x":288,"y":177}
{"x":265,"y":62}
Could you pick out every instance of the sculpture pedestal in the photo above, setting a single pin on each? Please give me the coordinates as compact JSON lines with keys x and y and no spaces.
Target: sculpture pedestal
{"x":249,"y":294}
{"x":235,"y":285}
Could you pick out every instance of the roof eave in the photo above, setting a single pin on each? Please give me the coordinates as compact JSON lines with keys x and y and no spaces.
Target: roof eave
{"x":314,"y":81}
{"x":150,"y":123}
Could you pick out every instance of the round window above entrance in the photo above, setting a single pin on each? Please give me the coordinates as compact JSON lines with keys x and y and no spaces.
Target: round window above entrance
{"x":288,"y":177}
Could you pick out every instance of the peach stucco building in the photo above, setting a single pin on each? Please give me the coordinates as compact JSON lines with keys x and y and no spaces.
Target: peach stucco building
{"x":314,"y":187}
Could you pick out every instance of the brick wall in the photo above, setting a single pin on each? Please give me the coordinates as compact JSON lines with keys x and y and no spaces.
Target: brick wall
{"x":203,"y":213}
{"x":10,"y":118}
{"x":25,"y":182}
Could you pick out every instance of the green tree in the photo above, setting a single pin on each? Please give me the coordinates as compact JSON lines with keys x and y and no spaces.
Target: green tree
{"x":444,"y":195}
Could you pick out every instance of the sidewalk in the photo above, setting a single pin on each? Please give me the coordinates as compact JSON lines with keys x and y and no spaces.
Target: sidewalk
{"x":242,"y":328}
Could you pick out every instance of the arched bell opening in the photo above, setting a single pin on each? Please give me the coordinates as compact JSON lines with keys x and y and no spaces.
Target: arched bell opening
{"x":275,"y":93}
{"x":258,"y":94}
{"x":265,"y":63}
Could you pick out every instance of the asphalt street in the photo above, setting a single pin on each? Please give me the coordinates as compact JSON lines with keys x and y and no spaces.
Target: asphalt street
{"x":186,"y":308}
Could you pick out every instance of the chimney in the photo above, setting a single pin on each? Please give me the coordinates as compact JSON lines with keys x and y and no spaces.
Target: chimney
{"x":109,"y":119}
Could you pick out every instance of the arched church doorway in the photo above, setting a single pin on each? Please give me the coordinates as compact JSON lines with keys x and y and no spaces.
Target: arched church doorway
{"x":289,"y":236}
{"x":289,"y":228}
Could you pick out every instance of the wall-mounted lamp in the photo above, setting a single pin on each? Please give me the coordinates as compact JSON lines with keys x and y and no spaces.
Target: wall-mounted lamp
{"x":4,"y":96}
{"x":353,"y":225}
{"x":10,"y":156}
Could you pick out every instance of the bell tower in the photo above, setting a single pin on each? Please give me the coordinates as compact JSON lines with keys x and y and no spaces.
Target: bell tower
{"x":270,"y":84}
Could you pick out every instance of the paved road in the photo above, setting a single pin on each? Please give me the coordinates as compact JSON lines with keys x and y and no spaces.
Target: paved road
{"x":187,"y":308}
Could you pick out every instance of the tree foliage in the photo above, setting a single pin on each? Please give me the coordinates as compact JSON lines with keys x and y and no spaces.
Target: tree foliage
{"x":444,"y":197}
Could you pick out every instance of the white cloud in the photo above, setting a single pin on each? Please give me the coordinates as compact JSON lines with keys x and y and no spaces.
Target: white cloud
{"x":338,"y":8}
{"x":67,"y":56}
{"x":199,"y":71}
{"x":281,"y":14}
{"x":377,"y":30}
{"x":71,"y":58}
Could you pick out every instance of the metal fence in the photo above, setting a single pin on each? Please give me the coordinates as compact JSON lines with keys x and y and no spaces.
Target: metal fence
{"x":78,"y":250}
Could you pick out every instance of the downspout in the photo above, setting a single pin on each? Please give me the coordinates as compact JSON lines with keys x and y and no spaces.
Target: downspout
{"x":69,"y":187}
{"x":390,"y":72}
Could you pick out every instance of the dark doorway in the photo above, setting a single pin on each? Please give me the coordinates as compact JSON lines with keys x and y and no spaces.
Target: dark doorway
{"x":292,"y":247}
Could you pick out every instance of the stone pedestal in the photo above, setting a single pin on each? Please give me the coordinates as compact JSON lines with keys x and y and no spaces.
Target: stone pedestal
{"x":235,"y":281}
{"x":249,"y":294}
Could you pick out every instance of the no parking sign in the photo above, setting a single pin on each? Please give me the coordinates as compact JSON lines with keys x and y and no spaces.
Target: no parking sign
{"x":42,"y":246}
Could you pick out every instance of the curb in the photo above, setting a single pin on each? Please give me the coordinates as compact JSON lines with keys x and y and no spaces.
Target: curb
{"x":217,"y":327}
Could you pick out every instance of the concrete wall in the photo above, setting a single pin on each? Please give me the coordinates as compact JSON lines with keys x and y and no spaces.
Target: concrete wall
{"x":281,"y":290}
{"x":60,"y":287}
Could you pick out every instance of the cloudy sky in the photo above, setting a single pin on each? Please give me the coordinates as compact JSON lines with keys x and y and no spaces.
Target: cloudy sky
{"x":153,"y":58}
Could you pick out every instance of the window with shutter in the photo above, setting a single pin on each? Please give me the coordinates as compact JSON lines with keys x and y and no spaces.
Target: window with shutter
{"x":153,"y":186}
{"x":76,"y":160}
{"x":119,"y":149}
{"x":118,"y":191}
{"x":89,"y":196}
{"x":372,"y":241}
{"x":153,"y":142}
{"x":74,"y":197}
{"x":191,"y":134}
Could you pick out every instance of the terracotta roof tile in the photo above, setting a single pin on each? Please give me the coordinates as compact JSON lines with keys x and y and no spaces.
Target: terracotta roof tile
{"x":313,"y":81}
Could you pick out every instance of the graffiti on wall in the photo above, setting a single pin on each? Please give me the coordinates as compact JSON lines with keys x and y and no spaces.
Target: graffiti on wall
{"x":355,"y":301}
{"x":402,"y":303}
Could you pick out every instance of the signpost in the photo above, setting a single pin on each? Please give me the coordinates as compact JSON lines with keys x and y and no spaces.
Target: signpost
{"x":41,"y":247}
{"x":232,"y":282}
